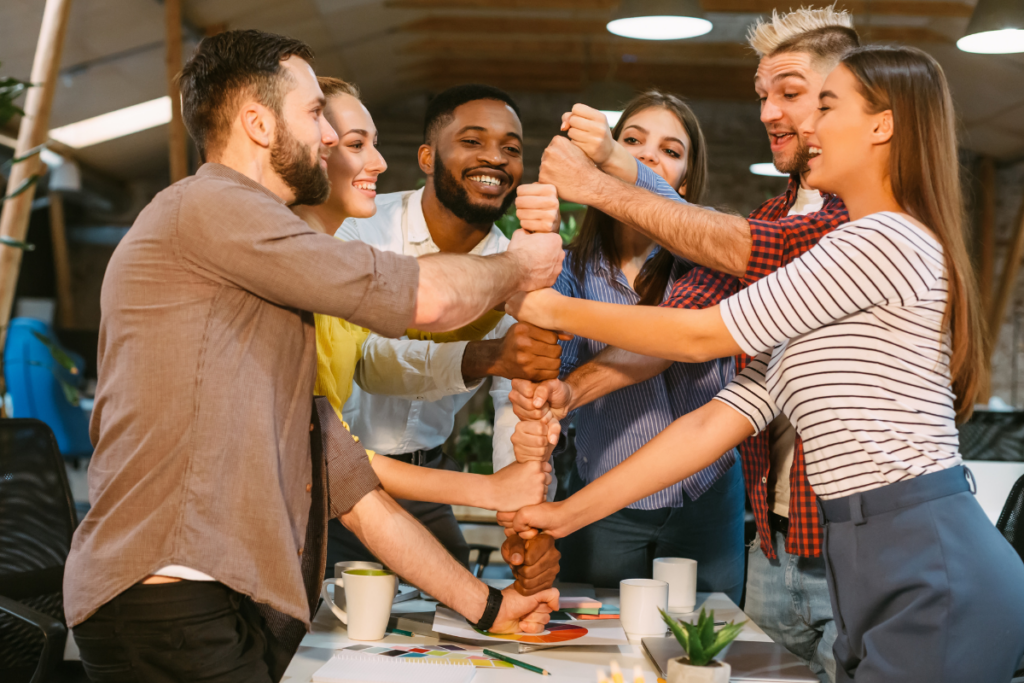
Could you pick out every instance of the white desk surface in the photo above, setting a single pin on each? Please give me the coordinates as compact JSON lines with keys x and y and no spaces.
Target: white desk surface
{"x":565,"y":664}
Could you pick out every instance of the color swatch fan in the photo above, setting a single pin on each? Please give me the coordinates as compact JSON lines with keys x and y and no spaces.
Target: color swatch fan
{"x":557,"y":634}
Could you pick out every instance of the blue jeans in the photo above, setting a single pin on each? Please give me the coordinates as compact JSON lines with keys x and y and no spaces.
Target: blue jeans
{"x":788,"y":598}
{"x":624,"y":544}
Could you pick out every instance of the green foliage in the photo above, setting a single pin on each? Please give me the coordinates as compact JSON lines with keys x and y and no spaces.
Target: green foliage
{"x":62,"y":359}
{"x":25,"y":184}
{"x":572,"y":214}
{"x":474,"y":442}
{"x":10,"y":90}
{"x":700,"y":641}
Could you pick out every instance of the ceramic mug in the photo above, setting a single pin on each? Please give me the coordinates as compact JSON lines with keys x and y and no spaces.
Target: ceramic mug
{"x":368,"y":597}
{"x":680,"y":574}
{"x":639,"y":600}
{"x":339,"y":567}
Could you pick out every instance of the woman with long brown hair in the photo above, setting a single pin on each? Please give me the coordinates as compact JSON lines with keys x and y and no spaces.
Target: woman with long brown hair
{"x":700,"y":517}
{"x":871,"y":345}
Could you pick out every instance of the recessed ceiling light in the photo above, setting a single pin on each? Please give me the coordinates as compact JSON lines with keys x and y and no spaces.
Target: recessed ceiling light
{"x":659,"y":20}
{"x":767,"y":169}
{"x":612,"y":116}
{"x":996,"y":27}
{"x":115,"y":124}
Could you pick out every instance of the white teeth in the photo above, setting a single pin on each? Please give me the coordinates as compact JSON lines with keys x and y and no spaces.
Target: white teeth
{"x":366,"y":186}
{"x":486,"y":179}
{"x":814,"y":151}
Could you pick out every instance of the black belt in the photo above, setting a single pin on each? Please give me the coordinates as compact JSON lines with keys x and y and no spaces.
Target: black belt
{"x":420,"y":457}
{"x":778,"y":523}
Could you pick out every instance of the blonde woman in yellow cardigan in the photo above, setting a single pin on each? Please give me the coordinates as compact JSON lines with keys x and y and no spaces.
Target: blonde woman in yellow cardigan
{"x":353,"y":168}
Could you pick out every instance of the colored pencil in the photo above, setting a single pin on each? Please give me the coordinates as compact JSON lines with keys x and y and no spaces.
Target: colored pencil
{"x":516,"y":662}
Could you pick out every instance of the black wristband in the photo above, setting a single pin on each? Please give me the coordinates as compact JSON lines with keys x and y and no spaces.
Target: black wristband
{"x":494,"y":598}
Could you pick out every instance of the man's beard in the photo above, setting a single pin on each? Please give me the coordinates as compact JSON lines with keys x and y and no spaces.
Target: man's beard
{"x":454,"y":197}
{"x":291,"y":160}
{"x":798,"y":162}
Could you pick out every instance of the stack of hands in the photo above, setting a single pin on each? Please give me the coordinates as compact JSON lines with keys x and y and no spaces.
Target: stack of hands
{"x":569,"y":167}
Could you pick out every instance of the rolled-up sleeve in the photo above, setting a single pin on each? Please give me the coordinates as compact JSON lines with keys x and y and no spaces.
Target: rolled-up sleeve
{"x":349,"y":473}
{"x":272,"y":253}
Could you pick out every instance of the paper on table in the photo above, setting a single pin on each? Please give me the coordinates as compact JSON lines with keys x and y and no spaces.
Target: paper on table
{"x":353,"y":667}
{"x":561,"y":633}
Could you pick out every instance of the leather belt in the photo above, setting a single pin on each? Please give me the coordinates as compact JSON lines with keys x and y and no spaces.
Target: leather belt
{"x":778,"y":523}
{"x":420,"y":457}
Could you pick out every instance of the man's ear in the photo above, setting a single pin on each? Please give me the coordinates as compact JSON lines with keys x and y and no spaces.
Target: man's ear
{"x":882,"y":132}
{"x":258,"y":122}
{"x":425,"y":157}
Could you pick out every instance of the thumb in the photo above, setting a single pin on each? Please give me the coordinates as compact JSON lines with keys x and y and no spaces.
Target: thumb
{"x":541,"y":392}
{"x":513,"y":550}
{"x":547,"y":598}
{"x":524,"y":387}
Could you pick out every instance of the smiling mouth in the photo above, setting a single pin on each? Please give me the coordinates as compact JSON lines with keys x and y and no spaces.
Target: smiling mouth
{"x":486,"y":180}
{"x":813,"y":151}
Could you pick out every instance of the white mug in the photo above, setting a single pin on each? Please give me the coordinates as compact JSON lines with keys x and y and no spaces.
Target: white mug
{"x":680,"y":574}
{"x":639,"y":601}
{"x":368,"y":597}
{"x":339,"y":567}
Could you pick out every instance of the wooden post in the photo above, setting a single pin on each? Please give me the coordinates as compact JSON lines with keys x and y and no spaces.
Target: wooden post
{"x":35,"y":125}
{"x":1006,"y":282}
{"x":177,"y":135}
{"x":61,"y":262}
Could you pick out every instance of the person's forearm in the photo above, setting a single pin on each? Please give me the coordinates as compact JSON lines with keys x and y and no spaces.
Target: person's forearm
{"x":621,"y":164}
{"x":708,"y":238}
{"x":708,"y":432}
{"x":684,"y":335}
{"x":409,"y":550}
{"x":481,"y":359}
{"x":409,"y":482}
{"x":610,"y":370}
{"x":456,"y":289}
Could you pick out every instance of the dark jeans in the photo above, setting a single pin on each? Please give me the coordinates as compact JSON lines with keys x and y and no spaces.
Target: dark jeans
{"x":344,"y":546}
{"x":171,"y":632}
{"x":624,"y":544}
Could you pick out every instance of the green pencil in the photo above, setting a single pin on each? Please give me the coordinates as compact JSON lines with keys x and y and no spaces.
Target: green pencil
{"x":528,"y":667}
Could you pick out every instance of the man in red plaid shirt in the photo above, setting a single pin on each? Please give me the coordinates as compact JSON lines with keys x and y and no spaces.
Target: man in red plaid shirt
{"x":786,"y":590}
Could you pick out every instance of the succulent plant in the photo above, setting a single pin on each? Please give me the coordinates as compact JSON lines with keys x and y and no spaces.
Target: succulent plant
{"x":700,"y":641}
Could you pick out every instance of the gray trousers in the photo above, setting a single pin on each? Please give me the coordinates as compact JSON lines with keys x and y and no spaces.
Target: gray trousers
{"x":923,"y":587}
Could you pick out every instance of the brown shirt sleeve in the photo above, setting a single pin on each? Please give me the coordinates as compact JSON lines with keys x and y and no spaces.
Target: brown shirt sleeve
{"x":239,"y":233}
{"x":350,"y":475}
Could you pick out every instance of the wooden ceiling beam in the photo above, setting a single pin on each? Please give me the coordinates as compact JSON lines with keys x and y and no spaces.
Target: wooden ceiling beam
{"x":542,"y":49}
{"x":911,"y":8}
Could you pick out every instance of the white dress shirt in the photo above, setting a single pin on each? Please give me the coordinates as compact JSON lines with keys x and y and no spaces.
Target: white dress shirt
{"x":390,"y":424}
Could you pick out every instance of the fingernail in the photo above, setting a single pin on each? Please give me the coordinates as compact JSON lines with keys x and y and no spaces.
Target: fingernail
{"x":517,"y":558}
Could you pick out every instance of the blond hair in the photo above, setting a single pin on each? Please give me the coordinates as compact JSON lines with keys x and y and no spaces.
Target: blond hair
{"x":335,"y":86}
{"x":827,"y":34}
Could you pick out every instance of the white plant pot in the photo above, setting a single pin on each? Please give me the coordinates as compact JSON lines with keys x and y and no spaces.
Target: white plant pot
{"x":681,"y":672}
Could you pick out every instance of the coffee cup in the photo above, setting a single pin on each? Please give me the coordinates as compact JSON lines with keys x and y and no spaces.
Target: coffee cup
{"x":680,"y":574}
{"x":639,"y":602}
{"x":367,"y":606}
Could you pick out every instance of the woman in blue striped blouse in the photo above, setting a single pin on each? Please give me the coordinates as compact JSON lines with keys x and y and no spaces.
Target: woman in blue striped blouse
{"x":871,"y":344}
{"x":700,"y":517}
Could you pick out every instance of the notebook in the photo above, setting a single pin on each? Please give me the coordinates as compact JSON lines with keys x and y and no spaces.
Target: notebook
{"x":355,"y":667}
{"x":751,"y":661}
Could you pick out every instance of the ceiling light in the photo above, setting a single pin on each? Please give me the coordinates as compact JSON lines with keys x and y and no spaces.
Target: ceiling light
{"x":612,"y":116}
{"x":996,"y":27}
{"x":659,"y":20}
{"x":767,"y":169}
{"x":115,"y":124}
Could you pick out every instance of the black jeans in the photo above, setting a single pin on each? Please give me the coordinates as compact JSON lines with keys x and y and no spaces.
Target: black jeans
{"x":171,"y":632}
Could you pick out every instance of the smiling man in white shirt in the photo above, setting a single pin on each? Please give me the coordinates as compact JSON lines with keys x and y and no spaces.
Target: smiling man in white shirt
{"x":473,"y":158}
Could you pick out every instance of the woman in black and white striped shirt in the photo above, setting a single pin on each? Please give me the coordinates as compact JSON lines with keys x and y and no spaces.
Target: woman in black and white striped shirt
{"x":870,"y":343}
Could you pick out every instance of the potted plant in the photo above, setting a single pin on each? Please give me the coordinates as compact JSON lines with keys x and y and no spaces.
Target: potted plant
{"x":701,"y":642}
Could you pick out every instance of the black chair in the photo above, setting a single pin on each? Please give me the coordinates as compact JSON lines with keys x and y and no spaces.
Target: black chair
{"x":483,"y":557}
{"x":1011,"y":520}
{"x":37,"y":519}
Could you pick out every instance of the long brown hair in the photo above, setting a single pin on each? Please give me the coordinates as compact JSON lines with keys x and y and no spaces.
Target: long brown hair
{"x":924,"y":173}
{"x":596,"y":236}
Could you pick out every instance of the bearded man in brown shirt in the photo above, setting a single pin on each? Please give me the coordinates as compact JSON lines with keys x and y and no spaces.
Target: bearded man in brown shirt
{"x":202,"y":555}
